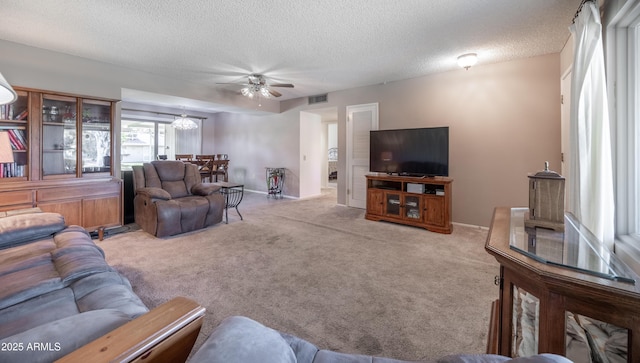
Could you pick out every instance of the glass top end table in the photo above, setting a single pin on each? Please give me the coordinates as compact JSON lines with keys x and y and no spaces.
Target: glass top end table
{"x":574,"y":248}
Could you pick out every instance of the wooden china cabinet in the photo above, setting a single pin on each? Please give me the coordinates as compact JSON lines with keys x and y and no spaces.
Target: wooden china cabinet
{"x":562,"y":292}
{"x":62,"y":146}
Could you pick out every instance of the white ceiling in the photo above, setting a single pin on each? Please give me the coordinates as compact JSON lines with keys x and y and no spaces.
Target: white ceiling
{"x":320,"y":46}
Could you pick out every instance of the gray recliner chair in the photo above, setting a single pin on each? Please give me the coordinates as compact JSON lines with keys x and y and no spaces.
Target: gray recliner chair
{"x":241,"y":340}
{"x":170,"y":198}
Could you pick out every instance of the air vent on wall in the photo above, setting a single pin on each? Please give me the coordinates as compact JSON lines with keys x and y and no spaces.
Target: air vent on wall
{"x":318,"y":99}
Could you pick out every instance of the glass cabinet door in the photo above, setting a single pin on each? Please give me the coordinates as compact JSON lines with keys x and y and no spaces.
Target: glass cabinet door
{"x":525,"y":324}
{"x":14,"y":119}
{"x":96,"y":136}
{"x":59,"y":130}
{"x":591,"y":340}
{"x":412,"y":207}
{"x":393,"y":204}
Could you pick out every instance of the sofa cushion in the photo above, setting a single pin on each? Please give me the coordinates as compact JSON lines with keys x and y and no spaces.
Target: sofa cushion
{"x":492,"y":358}
{"x":107,"y":291}
{"x":61,"y":337}
{"x":304,"y":350}
{"x":193,"y":212}
{"x":203,"y":189}
{"x":328,"y":356}
{"x":73,"y":263}
{"x":240,"y":340}
{"x":18,"y":254}
{"x":28,"y":283}
{"x":39,"y":310}
{"x":22,"y":228}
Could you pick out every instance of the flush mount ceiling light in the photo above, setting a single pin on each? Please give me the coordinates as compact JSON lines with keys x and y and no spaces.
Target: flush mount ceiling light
{"x":7,"y":94}
{"x":184,"y":123}
{"x":467,"y":60}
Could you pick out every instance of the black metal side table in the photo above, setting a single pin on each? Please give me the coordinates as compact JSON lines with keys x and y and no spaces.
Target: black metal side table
{"x":233,"y":194}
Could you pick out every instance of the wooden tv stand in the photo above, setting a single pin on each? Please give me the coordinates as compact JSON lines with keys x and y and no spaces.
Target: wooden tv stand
{"x":416,"y":201}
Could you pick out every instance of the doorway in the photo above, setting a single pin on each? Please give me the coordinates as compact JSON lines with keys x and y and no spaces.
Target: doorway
{"x":332,"y":154}
{"x":328,"y":141}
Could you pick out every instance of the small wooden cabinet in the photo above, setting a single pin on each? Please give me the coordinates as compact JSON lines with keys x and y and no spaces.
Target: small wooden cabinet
{"x":561,"y":292}
{"x":420,"y":202}
{"x":62,"y":146}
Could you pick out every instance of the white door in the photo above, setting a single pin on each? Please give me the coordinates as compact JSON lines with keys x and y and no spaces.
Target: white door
{"x":360,"y":120}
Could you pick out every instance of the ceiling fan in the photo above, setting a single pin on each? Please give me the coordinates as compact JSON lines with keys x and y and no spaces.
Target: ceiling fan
{"x":258,"y":86}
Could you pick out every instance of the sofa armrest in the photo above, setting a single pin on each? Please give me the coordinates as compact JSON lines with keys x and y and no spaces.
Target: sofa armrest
{"x":154,"y":193}
{"x":165,"y":334}
{"x":204,"y":189}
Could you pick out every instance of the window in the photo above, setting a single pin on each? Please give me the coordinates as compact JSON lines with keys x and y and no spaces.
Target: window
{"x":138,"y":144}
{"x":142,"y":141}
{"x":622,"y":22}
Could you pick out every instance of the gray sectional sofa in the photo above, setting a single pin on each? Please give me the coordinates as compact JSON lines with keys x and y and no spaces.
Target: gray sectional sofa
{"x":58,"y":293}
{"x":239,"y":339}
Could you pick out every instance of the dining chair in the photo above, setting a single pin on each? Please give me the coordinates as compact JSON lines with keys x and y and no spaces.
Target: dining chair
{"x":184,"y":157}
{"x":205,"y":166}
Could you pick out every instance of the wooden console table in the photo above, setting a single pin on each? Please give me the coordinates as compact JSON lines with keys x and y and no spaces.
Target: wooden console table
{"x":561,"y":292}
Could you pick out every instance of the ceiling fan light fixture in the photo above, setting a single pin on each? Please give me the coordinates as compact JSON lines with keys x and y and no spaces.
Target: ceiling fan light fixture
{"x":258,"y":87}
{"x":467,"y":60}
{"x":184,"y":123}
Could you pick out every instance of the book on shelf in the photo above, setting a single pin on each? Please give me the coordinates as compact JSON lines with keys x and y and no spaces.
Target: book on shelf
{"x":6,"y":112}
{"x":17,"y":139}
{"x":11,"y":170}
{"x":22,"y":115}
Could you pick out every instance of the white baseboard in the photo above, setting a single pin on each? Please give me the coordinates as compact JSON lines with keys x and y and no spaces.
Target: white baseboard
{"x":265,"y":193}
{"x":470,"y":225}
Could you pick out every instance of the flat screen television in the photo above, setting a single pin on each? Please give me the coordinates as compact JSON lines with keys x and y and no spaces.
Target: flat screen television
{"x":412,"y":152}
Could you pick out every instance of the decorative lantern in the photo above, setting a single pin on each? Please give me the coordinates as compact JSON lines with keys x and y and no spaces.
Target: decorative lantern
{"x":546,"y":200}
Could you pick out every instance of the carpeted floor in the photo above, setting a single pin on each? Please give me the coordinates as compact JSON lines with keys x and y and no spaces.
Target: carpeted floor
{"x":322,"y":272}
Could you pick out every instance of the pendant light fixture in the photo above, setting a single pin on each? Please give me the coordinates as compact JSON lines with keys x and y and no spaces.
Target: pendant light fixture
{"x":7,"y":94}
{"x":184,"y":123}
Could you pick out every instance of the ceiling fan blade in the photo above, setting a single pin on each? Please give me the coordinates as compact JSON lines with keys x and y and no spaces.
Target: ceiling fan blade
{"x":288,"y":85}
{"x":275,"y":93}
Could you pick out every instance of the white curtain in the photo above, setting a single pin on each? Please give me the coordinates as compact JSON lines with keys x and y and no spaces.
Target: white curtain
{"x":591,"y":174}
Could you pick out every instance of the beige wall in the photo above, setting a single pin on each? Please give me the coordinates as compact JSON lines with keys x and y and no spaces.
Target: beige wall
{"x":504,"y":121}
{"x":254,"y":142}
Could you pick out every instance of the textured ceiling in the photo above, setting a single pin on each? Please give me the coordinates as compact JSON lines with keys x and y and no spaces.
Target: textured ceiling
{"x":320,"y":46}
